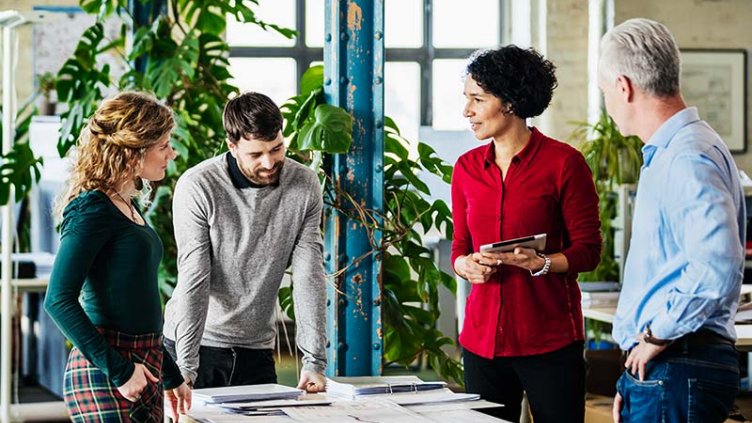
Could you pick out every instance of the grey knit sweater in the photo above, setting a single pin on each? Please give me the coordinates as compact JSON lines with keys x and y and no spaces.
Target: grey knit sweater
{"x":234,"y":244}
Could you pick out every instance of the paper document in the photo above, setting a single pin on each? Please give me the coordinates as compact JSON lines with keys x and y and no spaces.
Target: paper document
{"x":273,"y":403}
{"x":460,"y":416}
{"x":357,"y":411}
{"x":451,"y":406}
{"x":426,"y":397}
{"x":246,"y":393}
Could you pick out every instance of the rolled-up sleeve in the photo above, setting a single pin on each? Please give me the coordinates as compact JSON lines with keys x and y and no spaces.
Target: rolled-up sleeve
{"x":703,"y":217}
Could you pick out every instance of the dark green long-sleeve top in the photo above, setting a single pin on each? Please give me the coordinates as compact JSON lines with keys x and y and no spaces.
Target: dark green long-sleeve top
{"x":105,"y":275}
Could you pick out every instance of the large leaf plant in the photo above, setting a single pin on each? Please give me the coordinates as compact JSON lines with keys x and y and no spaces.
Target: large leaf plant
{"x":20,"y":169}
{"x":614,"y":159}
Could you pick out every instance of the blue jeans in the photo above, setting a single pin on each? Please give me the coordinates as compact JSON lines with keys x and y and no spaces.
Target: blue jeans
{"x":684,"y":383}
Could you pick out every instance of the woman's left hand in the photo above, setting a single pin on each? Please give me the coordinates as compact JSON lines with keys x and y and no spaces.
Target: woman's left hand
{"x":526,"y":258}
{"x":179,"y":400}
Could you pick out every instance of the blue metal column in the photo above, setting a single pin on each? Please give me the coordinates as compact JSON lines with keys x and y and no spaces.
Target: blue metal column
{"x":145,"y":16}
{"x":353,"y":78}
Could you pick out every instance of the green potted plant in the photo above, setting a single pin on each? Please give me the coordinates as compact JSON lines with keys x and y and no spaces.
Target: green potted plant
{"x":614,"y":160}
{"x":45,"y":86}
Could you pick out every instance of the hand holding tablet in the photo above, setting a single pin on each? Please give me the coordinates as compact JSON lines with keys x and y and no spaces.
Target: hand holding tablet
{"x":536,"y":242}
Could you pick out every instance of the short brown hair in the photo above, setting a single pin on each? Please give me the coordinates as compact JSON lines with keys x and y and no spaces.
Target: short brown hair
{"x":252,"y":115}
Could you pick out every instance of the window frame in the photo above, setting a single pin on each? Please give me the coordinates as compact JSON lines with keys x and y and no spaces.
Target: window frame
{"x":424,"y":55}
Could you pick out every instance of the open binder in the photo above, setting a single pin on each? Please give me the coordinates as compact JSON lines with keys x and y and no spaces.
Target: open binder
{"x":353,"y":387}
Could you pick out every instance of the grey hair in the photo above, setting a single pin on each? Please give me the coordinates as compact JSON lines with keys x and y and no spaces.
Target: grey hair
{"x":644,"y":51}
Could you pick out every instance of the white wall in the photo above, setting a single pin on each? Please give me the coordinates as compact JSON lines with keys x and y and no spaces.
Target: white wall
{"x":702,"y":24}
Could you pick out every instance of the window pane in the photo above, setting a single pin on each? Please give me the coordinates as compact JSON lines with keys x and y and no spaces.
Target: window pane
{"x":402,"y":97}
{"x":315,"y":23}
{"x":480,"y":18}
{"x":279,"y":12}
{"x":403,"y":23}
{"x":273,"y":77}
{"x":448,"y":100}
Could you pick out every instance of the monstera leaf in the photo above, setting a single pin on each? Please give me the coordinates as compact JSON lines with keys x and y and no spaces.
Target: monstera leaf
{"x":330,"y":130}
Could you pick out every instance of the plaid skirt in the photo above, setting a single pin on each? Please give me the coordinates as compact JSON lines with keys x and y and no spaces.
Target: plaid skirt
{"x":90,"y":395}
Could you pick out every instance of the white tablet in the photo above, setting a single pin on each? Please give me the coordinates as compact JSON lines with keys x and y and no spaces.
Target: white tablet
{"x":536,"y":242}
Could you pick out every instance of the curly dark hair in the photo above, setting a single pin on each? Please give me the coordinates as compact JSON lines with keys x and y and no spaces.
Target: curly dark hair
{"x":519,"y":77}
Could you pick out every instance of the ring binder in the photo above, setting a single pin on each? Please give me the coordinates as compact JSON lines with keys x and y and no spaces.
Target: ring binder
{"x":353,"y":387}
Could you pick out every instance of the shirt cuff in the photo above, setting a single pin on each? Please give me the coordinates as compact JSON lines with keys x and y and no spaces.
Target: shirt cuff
{"x":189,"y":375}
{"x":172,"y":382}
{"x":318,"y":368}
{"x":663,"y":328}
{"x":122,"y":377}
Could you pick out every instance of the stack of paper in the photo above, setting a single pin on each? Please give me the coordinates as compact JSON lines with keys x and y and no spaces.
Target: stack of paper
{"x":599,"y":286}
{"x":353,"y":387}
{"x":246,"y":393}
{"x":268,"y":407}
{"x":599,"y":299}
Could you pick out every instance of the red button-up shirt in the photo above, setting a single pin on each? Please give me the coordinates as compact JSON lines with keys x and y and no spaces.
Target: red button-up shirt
{"x":548,"y":189}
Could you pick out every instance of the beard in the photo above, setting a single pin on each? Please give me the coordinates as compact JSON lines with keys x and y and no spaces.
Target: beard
{"x":263,"y":177}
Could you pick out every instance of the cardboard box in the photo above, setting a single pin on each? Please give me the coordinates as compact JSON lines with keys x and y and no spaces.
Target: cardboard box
{"x":598,"y":409}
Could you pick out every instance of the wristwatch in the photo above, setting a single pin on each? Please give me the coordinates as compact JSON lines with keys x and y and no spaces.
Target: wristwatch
{"x":647,"y":336}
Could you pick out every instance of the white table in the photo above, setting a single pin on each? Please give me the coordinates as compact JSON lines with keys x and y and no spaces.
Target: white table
{"x":449,"y":412}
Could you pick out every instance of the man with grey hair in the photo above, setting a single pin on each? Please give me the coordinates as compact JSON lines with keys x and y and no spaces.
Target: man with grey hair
{"x":686,"y":258}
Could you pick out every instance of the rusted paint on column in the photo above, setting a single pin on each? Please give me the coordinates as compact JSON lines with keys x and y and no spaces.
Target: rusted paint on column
{"x":353,"y":75}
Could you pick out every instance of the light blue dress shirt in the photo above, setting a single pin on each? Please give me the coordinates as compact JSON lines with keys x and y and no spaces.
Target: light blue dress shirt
{"x":686,"y":258}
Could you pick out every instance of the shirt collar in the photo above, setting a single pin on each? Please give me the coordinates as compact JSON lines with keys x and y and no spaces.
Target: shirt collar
{"x":662,"y":137}
{"x":523,"y":157}
{"x":236,"y":175}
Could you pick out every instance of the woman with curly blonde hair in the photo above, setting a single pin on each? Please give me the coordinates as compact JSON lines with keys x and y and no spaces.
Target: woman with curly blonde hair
{"x":117,"y":370}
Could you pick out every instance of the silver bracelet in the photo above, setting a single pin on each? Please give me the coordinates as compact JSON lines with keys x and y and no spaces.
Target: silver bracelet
{"x":546,"y":266}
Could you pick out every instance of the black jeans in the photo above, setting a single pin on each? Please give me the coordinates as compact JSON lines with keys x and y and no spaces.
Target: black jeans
{"x":554,"y":382}
{"x":231,"y":366}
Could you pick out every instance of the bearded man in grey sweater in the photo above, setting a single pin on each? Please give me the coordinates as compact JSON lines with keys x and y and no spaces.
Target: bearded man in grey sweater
{"x":241,"y":219}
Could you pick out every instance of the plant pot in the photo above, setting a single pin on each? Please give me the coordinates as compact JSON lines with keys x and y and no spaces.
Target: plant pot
{"x":48,"y":108}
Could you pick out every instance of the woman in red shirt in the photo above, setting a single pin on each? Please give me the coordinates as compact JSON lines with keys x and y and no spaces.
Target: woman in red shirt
{"x":523,"y":329}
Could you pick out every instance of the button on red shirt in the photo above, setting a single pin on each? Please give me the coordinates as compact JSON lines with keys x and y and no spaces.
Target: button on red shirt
{"x":548,"y":189}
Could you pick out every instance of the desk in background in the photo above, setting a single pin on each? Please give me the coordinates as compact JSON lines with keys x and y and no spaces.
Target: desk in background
{"x":743,"y":331}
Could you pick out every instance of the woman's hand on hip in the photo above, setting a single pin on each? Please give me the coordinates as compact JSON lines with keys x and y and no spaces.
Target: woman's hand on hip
{"x":132,"y":389}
